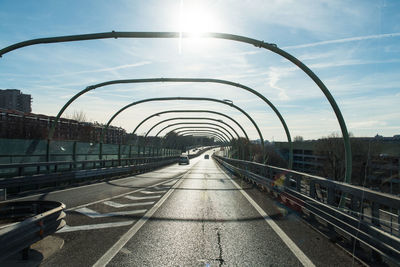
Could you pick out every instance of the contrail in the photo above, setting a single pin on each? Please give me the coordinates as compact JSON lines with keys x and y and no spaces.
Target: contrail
{"x":345,"y":40}
{"x":105,"y":69}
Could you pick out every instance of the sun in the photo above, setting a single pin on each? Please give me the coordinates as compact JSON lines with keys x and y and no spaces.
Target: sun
{"x":195,"y":18}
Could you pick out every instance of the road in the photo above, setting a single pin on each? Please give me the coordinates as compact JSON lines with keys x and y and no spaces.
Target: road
{"x":193,"y":215}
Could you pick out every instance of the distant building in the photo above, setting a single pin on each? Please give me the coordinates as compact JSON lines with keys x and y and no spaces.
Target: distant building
{"x":13,"y":99}
{"x":17,"y":125}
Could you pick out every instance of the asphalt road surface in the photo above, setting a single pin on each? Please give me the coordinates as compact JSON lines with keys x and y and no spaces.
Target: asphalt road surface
{"x":188,"y":215}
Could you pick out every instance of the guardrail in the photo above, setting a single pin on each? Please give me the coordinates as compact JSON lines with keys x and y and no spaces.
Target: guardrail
{"x":20,"y":177}
{"x":33,"y":176}
{"x":369,"y":217}
{"x":26,"y":222}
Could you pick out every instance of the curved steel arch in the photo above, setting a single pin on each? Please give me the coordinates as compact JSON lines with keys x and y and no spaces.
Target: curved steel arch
{"x":204,"y":134}
{"x":191,"y":118}
{"x":196,"y":124}
{"x":223,"y":144}
{"x":190,"y":99}
{"x":179,"y":80}
{"x":203,"y":130}
{"x":237,"y":38}
{"x":222,"y":137}
{"x":218,"y":139}
{"x":190,"y":111}
{"x":205,"y":127}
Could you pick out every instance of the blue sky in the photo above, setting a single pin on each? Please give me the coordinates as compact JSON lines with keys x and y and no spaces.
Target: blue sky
{"x":353,"y":46}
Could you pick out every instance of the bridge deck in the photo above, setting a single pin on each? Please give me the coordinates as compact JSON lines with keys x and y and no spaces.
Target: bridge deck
{"x":188,"y":215}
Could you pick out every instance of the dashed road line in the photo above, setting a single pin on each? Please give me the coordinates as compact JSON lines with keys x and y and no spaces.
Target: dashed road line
{"x":94,"y":214}
{"x":150,"y":192}
{"x":88,"y":227}
{"x":124,"y":194}
{"x":141,"y":198}
{"x":119,"y":205}
{"x":110,"y":254}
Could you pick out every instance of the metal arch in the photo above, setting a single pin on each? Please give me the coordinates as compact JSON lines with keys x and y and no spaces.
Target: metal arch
{"x":179,"y":80}
{"x":190,"y":99}
{"x":188,"y":130}
{"x":191,"y":118}
{"x":196,"y":124}
{"x":204,"y":130}
{"x":225,"y":140}
{"x":237,"y":38}
{"x":223,"y":143}
{"x":204,"y":134}
{"x":205,"y":127}
{"x":191,"y":111}
{"x":207,"y":135}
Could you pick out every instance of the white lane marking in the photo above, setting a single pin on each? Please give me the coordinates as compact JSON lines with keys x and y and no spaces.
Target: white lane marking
{"x":149,"y":192}
{"x":94,"y":214}
{"x":110,"y":254}
{"x":291,"y":245}
{"x":119,"y":205}
{"x":88,"y":227}
{"x":121,"y":195}
{"x":140,"y":198}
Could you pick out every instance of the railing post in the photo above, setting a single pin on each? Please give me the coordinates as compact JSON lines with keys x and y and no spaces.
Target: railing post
{"x":375,"y":213}
{"x":119,"y":154}
{"x":101,"y":150}
{"x":74,"y":154}
{"x":48,"y":150}
{"x":312,"y":189}
{"x":331,"y":195}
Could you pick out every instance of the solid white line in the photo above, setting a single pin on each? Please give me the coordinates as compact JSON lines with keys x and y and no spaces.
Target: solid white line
{"x":119,"y":205}
{"x":291,"y":245}
{"x":149,"y":192}
{"x":140,"y":198}
{"x":109,"y":255}
{"x":94,"y":214}
{"x":88,"y":227}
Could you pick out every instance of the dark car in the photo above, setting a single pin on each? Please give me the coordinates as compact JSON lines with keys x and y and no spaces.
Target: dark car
{"x":183,"y":160}
{"x":206,"y":156}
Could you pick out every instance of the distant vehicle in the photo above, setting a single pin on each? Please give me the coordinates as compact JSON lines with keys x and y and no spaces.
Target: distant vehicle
{"x":183,"y":159}
{"x":206,"y":156}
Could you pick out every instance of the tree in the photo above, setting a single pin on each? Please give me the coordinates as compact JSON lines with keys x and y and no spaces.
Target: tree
{"x":79,"y":116}
{"x":331,"y":149}
{"x":298,"y":138}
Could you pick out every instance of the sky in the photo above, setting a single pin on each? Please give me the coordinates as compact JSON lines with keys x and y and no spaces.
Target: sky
{"x":353,"y":47}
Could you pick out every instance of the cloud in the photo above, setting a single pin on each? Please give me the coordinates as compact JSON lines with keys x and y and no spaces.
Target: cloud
{"x":344,"y":40}
{"x":104,"y":69}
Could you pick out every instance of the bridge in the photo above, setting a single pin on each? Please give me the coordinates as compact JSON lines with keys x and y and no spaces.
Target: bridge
{"x":134,"y":204}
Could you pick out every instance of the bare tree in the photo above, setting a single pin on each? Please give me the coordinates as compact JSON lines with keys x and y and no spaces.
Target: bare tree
{"x":79,"y":116}
{"x":298,"y":138}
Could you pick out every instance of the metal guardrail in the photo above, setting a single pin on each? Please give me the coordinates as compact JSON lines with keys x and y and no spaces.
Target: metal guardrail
{"x":32,"y":176}
{"x":28,"y":175}
{"x":26,"y":222}
{"x":370,"y":217}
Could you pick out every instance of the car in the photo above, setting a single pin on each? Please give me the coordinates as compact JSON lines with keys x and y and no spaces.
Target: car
{"x":183,"y":159}
{"x":206,"y":156}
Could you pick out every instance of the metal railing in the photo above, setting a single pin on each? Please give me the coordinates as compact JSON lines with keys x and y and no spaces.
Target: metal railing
{"x":33,"y":176}
{"x":20,"y":177}
{"x":27,"y":222}
{"x":369,"y":217}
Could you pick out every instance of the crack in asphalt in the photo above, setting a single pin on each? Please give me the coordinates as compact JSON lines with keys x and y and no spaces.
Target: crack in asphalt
{"x":219,"y":259}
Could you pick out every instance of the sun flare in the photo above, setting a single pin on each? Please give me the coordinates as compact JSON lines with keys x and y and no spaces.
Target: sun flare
{"x":195,"y":19}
